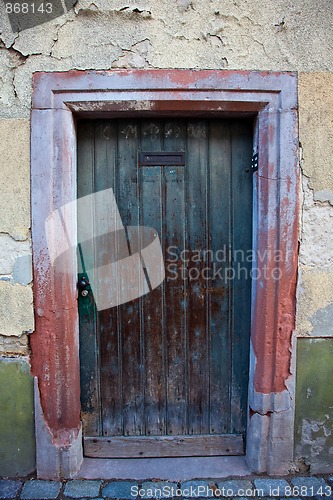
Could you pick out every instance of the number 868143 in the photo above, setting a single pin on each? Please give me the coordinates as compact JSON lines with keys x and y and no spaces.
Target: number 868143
{"x":28,"y":8}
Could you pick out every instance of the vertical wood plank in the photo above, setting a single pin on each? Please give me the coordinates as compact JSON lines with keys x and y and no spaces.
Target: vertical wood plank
{"x":219,"y":288}
{"x":197,"y":223}
{"x":241,"y":192}
{"x":132,"y":358}
{"x":175,"y":285}
{"x":105,"y":250}
{"x":176,"y":360}
{"x":151,"y":202}
{"x":89,"y":335}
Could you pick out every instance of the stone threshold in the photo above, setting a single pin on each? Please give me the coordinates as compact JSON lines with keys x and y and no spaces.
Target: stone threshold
{"x":172,"y":469}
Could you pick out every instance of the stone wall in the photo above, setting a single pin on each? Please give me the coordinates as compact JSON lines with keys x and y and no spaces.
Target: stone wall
{"x":202,"y":34}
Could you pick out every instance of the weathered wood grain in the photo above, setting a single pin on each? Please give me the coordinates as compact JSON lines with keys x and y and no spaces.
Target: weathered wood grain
{"x":166,"y":446}
{"x":173,"y":362}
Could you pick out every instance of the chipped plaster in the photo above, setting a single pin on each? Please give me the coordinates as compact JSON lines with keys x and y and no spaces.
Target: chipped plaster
{"x":15,"y":309}
{"x":117,"y":33}
{"x":316,"y":249}
{"x":183,"y":34}
{"x":15,"y":170}
{"x":314,"y":412}
{"x":108,"y":34}
{"x":10,"y":251}
{"x":315,"y":275}
{"x":315,"y":292}
{"x":316,"y":131}
{"x":14,"y":346}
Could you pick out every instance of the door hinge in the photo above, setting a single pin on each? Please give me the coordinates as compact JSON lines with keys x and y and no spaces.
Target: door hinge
{"x":254,"y":163}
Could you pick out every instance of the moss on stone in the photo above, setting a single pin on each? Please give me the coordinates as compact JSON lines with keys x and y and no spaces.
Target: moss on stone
{"x":314,"y":402}
{"x":17,"y":451}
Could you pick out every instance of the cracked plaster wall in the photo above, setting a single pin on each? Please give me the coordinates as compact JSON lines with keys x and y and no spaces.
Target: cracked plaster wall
{"x":183,"y":34}
{"x":202,"y":34}
{"x":315,"y":287}
{"x":314,"y":395}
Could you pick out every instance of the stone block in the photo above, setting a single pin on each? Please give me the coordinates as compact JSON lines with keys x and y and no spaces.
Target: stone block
{"x":17,"y":451}
{"x":10,"y":251}
{"x":9,"y":488}
{"x":82,"y":488}
{"x":120,"y":489}
{"x":281,"y":445}
{"x":316,"y":249}
{"x":257,"y":442}
{"x":271,"y":487}
{"x":309,"y":486}
{"x":40,"y":490}
{"x":22,"y":270}
{"x":15,"y":169}
{"x":16,"y":309}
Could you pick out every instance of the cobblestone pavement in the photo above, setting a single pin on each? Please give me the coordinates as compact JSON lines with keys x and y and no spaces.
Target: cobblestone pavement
{"x":290,"y":488}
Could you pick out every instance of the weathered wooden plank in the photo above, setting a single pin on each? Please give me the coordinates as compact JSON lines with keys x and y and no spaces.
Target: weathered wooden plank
{"x":241,"y":135}
{"x":197,"y":228}
{"x":175,"y":284}
{"x":105,"y":252}
{"x":166,"y":446}
{"x":151,"y":202}
{"x":166,"y":358}
{"x":219,"y":288}
{"x":89,"y":337}
{"x":132,"y":356}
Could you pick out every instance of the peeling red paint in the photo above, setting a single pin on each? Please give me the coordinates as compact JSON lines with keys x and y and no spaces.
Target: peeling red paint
{"x":54,"y":344}
{"x":54,"y":348}
{"x":273,"y":327}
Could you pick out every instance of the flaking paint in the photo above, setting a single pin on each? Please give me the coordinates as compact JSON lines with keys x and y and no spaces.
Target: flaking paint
{"x":54,"y":347}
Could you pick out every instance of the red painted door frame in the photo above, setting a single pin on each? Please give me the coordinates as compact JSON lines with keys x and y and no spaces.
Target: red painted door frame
{"x":58,"y":98}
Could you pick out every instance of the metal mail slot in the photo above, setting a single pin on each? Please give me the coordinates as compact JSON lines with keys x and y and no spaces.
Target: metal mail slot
{"x":165,"y":158}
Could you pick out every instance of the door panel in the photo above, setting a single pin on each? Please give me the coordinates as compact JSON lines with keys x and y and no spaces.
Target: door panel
{"x":220,"y":293}
{"x":174,"y":362}
{"x":197,"y":296}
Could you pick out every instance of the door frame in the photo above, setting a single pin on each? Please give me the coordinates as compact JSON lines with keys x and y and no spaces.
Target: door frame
{"x":60,"y":98}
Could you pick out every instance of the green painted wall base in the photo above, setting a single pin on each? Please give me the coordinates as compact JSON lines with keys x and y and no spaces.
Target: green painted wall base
{"x":314,"y":403}
{"x":17,"y":438}
{"x":313,"y":420}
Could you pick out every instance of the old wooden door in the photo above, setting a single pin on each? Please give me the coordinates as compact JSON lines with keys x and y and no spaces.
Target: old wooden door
{"x":166,"y":374}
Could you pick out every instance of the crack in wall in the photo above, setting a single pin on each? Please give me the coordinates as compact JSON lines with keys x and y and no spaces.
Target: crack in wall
{"x":135,"y":57}
{"x":56,"y":37}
